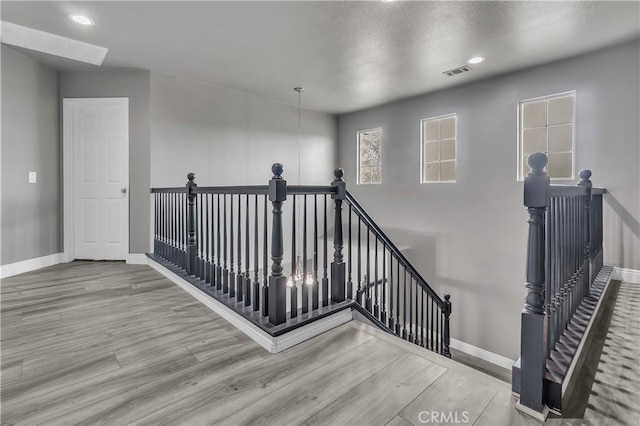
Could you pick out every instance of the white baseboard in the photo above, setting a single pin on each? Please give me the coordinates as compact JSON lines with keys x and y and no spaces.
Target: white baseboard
{"x":137,"y":259}
{"x":29,"y":265}
{"x":626,"y":274}
{"x":264,"y":339}
{"x":491,"y":357}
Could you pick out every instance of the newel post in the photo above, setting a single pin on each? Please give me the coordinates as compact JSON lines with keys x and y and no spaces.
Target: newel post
{"x":446,"y":332}
{"x":277,"y":280}
{"x":585,"y":181}
{"x":533,"y":334}
{"x":338,"y":276}
{"x":191,"y":225}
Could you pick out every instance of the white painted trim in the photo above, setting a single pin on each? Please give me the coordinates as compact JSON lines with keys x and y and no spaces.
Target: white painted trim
{"x":626,"y":275}
{"x":270,"y":343}
{"x":540,"y":416}
{"x":69,"y":171}
{"x":137,"y":259}
{"x":483,"y":354}
{"x":30,"y":265}
{"x":52,"y":44}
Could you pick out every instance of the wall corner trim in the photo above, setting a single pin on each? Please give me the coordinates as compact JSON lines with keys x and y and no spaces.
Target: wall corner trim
{"x":137,"y":259}
{"x":270,"y":343}
{"x":29,"y":265}
{"x":626,"y":275}
{"x":483,"y":354}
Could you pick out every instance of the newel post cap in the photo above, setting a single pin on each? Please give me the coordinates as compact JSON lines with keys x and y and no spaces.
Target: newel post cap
{"x":277,"y":170}
{"x":536,"y":183}
{"x":339,"y":184}
{"x":585,"y":178}
{"x":191,"y":176}
{"x":277,"y":185}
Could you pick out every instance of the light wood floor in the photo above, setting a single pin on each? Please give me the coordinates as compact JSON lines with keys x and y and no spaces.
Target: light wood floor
{"x":108,"y":343}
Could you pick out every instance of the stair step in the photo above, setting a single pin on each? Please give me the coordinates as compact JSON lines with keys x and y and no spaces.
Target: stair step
{"x":559,"y":359}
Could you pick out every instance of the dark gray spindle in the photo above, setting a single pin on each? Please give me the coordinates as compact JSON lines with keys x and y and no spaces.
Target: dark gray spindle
{"x":293,"y":290}
{"x":391,"y":310}
{"x":225,"y":271}
{"x":305,"y":270}
{"x":446,"y":334}
{"x":256,"y":260}
{"x":325,"y":279}
{"x":376,"y":306}
{"x":277,"y":281}
{"x":533,"y":334}
{"x":247,"y":258}
{"x":315,"y":295}
{"x":207,"y":259}
{"x":383,"y":313}
{"x":232,"y":269}
{"x":191,"y":225}
{"x":397,"y":330}
{"x":337,"y":266}
{"x":349,"y":249}
{"x":404,"y":302}
{"x":585,"y":182}
{"x":367,"y":276}
{"x":239,"y":277}
{"x":220,"y":258}
{"x":265,"y":256}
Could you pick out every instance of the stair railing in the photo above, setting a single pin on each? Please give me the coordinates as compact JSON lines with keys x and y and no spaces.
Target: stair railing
{"x":564,"y":256}
{"x":235,"y":243}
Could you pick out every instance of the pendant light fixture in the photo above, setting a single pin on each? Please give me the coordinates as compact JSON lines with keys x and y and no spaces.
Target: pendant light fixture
{"x":296,"y":273}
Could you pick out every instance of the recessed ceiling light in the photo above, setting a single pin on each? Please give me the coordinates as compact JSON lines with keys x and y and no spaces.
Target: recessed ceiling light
{"x":387,"y":1}
{"x":475,"y":60}
{"x":82,"y":20}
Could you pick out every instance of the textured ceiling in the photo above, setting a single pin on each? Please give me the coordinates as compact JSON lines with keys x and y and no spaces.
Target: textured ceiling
{"x":347,"y":55}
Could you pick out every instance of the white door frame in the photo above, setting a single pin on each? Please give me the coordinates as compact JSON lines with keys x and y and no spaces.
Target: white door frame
{"x":68,"y":175}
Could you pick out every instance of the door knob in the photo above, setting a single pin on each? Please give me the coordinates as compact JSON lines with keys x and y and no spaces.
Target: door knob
{"x":123,"y":190}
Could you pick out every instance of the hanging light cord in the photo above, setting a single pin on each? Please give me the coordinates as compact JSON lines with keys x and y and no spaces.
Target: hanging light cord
{"x":298,"y":265}
{"x":299,"y":90}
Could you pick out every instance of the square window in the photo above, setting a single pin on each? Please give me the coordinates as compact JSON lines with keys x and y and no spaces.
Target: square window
{"x":431,"y":151}
{"x":547,"y":125}
{"x":448,"y":128}
{"x":369,"y":156}
{"x":448,"y":171}
{"x":432,"y":131}
{"x":448,"y":149}
{"x":561,"y":138}
{"x":560,"y":110}
{"x":560,"y":165}
{"x":534,"y":114}
{"x":431,"y":172}
{"x":534,"y":140}
{"x":439,"y":149}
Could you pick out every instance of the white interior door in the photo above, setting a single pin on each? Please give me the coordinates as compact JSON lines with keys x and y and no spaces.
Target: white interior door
{"x":100,"y":139}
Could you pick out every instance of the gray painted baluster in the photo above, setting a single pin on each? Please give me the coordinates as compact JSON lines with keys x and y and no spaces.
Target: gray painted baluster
{"x":585,"y":181}
{"x":338,"y":266}
{"x":446,"y":334}
{"x":191,"y":225}
{"x":533,"y":334}
{"x":247,"y":257}
{"x":277,"y":281}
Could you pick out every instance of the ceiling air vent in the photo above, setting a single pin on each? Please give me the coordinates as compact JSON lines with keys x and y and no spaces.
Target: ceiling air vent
{"x":458,"y":70}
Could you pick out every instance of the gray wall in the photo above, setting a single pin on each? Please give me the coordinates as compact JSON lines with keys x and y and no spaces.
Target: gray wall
{"x":232,"y":138}
{"x":469,"y":238}
{"x":30,"y":142}
{"x":135,"y":86}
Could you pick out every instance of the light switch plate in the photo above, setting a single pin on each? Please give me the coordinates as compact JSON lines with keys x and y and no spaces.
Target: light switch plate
{"x":32,"y":177}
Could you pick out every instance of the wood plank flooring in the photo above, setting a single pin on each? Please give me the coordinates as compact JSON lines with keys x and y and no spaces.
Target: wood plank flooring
{"x":109,"y":343}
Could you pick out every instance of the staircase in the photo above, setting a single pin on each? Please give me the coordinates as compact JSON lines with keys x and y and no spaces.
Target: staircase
{"x":283,"y":256}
